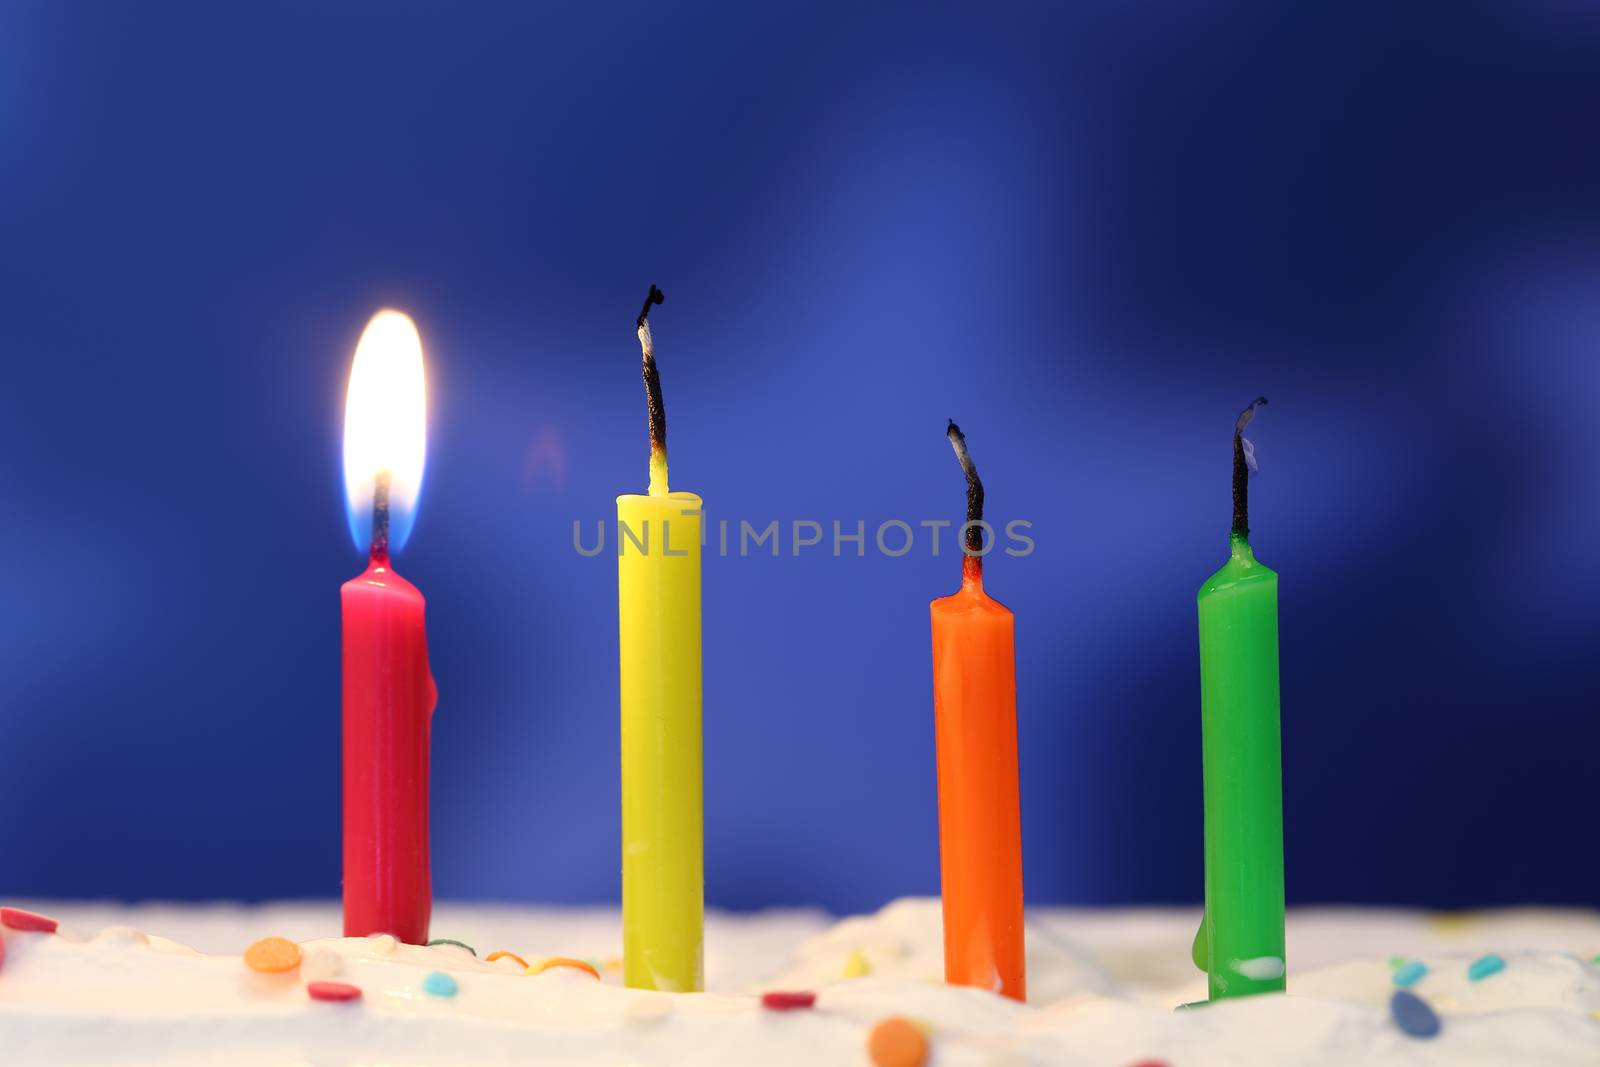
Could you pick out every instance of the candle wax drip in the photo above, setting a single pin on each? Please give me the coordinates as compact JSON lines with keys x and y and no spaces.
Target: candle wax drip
{"x":658,"y":472}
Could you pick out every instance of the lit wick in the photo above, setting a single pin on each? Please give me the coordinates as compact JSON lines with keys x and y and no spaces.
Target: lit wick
{"x":652,"y":389}
{"x":1243,"y":464}
{"x":972,"y":564}
{"x":380,"y":517}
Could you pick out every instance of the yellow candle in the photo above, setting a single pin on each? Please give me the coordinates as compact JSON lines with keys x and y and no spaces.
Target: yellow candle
{"x":658,"y":607}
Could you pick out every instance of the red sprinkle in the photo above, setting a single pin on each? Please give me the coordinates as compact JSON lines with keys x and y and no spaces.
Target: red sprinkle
{"x":788,"y":1001}
{"x":1151,"y":1063}
{"x":332,"y":991}
{"x":18,"y":919}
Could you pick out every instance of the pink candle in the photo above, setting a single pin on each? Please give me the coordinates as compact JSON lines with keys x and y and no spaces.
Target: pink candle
{"x":389,"y":693}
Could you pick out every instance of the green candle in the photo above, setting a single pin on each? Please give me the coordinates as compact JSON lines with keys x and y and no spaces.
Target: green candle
{"x":1240,"y":943}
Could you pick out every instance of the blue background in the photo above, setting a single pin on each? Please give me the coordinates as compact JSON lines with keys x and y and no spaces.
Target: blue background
{"x":1090,"y":234}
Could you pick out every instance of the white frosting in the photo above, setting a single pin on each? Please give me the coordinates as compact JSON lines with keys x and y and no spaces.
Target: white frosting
{"x":1103,"y":986}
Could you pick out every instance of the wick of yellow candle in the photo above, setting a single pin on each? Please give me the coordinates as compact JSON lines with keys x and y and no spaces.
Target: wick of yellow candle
{"x":658,"y":472}
{"x":652,"y":389}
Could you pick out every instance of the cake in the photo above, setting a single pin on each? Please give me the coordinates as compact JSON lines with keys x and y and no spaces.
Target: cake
{"x":170,"y":986}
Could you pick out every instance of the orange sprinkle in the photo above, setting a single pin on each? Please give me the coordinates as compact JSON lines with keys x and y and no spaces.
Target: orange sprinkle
{"x":502,"y":954}
{"x":272,"y":955}
{"x":897,"y":1042}
{"x":562,"y":961}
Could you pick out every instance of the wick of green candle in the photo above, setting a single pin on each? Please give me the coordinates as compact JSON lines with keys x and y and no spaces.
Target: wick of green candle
{"x":1241,"y":470}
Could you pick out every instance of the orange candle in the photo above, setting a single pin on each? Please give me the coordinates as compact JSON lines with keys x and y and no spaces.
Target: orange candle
{"x":980,"y":812}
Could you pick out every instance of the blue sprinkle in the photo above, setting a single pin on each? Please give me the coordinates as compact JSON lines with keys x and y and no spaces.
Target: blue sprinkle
{"x":1484,"y":966}
{"x":439,"y":984}
{"x":1412,"y":1014}
{"x":1410,"y":974}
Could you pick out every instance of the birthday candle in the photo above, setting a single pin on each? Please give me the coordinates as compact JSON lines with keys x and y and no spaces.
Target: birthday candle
{"x":975,"y":726}
{"x":658,"y":602}
{"x":389,"y":693}
{"x":1240,"y":942}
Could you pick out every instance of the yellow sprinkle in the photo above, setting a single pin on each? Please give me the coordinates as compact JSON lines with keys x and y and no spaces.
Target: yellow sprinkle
{"x":272,"y":955}
{"x":502,"y":954}
{"x":857,"y":966}
{"x":1453,"y":923}
{"x":562,"y":961}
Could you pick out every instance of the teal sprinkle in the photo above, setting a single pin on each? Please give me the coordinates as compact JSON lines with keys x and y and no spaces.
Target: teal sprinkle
{"x":1484,"y":966}
{"x":439,"y":984}
{"x":1410,"y":974}
{"x":452,"y":941}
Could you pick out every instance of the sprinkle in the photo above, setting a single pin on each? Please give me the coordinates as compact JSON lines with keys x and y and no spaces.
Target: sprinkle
{"x":856,"y":966}
{"x":788,"y":1001}
{"x":18,"y":919}
{"x":452,"y":941}
{"x":1412,"y":1014}
{"x":332,"y":991}
{"x":648,"y":1011}
{"x":384,"y":944}
{"x":562,"y":961}
{"x":502,"y":954}
{"x":272,"y":955}
{"x":1484,"y":966}
{"x":319,"y":965}
{"x":1452,"y":923}
{"x":439,"y":984}
{"x":1396,"y":962}
{"x":897,"y":1042}
{"x":1151,"y":1063}
{"x":122,"y":935}
{"x":1410,"y":974}
{"x":615,"y":963}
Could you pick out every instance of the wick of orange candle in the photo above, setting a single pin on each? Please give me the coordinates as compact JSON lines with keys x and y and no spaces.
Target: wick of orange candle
{"x":652,"y":392}
{"x":972,"y":544}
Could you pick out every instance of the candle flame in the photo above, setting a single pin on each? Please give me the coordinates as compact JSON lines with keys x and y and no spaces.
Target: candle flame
{"x":385,"y":426}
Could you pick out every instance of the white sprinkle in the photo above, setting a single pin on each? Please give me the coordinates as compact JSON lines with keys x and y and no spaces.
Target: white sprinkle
{"x":122,"y":935}
{"x":647,"y":1011}
{"x":384,"y":944}
{"x":320,"y":965}
{"x":1262,"y":968}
